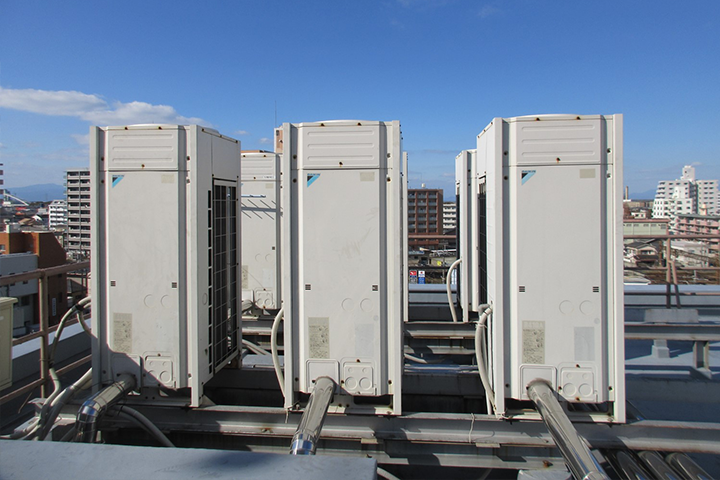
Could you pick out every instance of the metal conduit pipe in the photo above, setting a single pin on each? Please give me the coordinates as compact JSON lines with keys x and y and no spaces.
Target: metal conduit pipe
{"x":627,"y":467}
{"x":657,"y":466}
{"x":687,"y":467}
{"x":581,"y":462}
{"x":304,"y":441}
{"x":95,"y":407}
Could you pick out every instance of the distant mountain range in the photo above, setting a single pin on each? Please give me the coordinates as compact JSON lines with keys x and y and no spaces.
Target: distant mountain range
{"x":46,"y":192}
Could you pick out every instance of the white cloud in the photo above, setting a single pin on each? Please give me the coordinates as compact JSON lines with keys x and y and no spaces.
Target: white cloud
{"x":91,"y":108}
{"x":241,"y":132}
{"x":81,"y":139}
{"x":265,"y":141}
{"x":2,"y":145}
{"x":488,"y":10}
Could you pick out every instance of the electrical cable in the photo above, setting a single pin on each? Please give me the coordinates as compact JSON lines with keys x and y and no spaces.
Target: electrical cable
{"x":480,"y":341}
{"x":449,"y":288}
{"x":424,"y":361}
{"x":274,"y":350}
{"x":24,"y":432}
{"x":255,"y":348}
{"x":143,"y":422}
{"x":58,"y":404}
{"x":381,"y":472}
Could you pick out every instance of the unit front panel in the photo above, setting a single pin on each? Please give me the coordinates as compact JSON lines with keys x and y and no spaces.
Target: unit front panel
{"x":557,"y":237}
{"x":144,"y":275}
{"x":342,"y":279}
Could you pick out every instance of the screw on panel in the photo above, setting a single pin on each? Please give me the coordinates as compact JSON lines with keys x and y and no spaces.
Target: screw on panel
{"x":322,"y":124}
{"x":340,"y":163}
{"x":537,"y":119}
{"x":577,"y":118}
{"x":388,"y":155}
{"x":505,"y":177}
{"x":504,"y":153}
{"x":557,"y":159}
{"x":609,"y":150}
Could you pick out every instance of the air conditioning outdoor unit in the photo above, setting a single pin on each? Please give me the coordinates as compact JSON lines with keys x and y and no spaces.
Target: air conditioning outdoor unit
{"x":343,"y":262}
{"x":261,"y":229}
{"x":541,"y":236}
{"x":165,"y":254}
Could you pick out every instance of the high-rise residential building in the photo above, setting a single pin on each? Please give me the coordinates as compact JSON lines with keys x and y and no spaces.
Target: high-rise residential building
{"x":425,"y":219}
{"x":449,"y":217}
{"x":77,"y":191}
{"x":685,"y":196}
{"x":57,"y":214}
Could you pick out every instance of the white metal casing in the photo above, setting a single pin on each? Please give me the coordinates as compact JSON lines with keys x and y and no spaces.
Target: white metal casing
{"x":165,"y":249}
{"x":468,"y":225}
{"x":6,"y":338}
{"x":261,"y":229}
{"x":553,"y":186}
{"x":344,"y":261}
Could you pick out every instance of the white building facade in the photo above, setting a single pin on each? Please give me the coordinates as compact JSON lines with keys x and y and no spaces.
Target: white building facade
{"x":685,"y":196}
{"x":449,"y":216}
{"x":57,"y":214}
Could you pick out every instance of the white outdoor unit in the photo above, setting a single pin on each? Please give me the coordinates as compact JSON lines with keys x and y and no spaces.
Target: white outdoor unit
{"x":6,"y":338}
{"x":541,"y":230}
{"x":165,"y":250}
{"x":343,"y":262}
{"x":261,"y":229}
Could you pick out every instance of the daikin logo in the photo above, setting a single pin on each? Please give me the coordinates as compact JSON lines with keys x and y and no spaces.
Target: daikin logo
{"x":311,"y":177}
{"x":526,"y":175}
{"x":116,"y":179}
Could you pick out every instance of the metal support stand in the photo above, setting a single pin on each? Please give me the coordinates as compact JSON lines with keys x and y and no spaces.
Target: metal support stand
{"x":580,"y":461}
{"x":701,"y":360}
{"x":308,"y":432}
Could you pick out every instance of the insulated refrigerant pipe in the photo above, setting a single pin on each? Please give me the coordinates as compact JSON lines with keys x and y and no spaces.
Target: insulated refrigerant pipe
{"x":97,"y":405}
{"x":306,"y":436}
{"x":577,"y":455}
{"x":454,"y":265}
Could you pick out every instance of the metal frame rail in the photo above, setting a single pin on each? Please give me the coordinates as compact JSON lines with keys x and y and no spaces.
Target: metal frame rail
{"x":45,"y":330}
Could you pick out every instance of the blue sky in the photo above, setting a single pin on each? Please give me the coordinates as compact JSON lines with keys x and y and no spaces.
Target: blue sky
{"x":444,"y":68}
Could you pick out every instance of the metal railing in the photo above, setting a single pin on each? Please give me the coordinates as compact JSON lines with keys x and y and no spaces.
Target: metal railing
{"x":42,"y":275}
{"x":669,"y":267}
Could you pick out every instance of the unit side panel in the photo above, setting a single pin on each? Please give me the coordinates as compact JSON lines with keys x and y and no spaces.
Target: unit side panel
{"x":143,"y":274}
{"x":259,"y":242}
{"x":343,"y":324}
{"x":556,"y":283}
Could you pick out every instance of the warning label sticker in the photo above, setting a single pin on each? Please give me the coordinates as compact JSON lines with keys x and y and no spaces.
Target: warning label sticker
{"x":533,"y":342}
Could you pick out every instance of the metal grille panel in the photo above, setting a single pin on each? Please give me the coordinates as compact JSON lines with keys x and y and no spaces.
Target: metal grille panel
{"x":223,"y":324}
